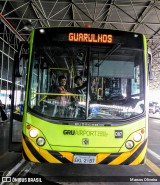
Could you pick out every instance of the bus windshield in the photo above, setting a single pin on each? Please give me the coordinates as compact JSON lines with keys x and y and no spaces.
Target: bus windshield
{"x":86,"y":82}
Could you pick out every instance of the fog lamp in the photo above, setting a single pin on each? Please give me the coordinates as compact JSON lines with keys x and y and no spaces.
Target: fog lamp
{"x":137,"y":136}
{"x":40,"y":141}
{"x":129,"y":144}
{"x":33,"y":133}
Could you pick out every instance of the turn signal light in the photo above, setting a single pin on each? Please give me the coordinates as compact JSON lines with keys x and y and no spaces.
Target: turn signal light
{"x":28,"y":126}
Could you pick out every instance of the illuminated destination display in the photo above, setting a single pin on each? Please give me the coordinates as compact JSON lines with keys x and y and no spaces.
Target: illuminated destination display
{"x":90,"y":37}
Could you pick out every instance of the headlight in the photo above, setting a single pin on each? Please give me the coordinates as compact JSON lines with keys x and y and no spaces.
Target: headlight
{"x":33,"y":133}
{"x":40,"y":141}
{"x":137,"y":136}
{"x":129,"y":144}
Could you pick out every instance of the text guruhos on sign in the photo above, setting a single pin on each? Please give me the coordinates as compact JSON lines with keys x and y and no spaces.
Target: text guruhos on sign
{"x":90,"y":37}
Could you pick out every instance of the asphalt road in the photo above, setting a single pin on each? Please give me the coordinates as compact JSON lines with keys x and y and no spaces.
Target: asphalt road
{"x":154,"y":141}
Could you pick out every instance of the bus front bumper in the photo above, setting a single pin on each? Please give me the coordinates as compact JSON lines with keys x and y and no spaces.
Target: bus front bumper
{"x":32,"y":152}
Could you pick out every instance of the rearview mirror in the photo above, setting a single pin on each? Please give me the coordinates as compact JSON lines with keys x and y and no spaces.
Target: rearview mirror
{"x":150,"y":64}
{"x":19,"y":58}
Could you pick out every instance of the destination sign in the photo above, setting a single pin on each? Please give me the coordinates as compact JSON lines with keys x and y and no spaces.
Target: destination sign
{"x":90,"y":37}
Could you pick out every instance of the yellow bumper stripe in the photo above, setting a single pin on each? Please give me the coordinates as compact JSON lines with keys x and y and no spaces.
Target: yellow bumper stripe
{"x":140,"y":157}
{"x":101,"y":157}
{"x":44,"y":153}
{"x":48,"y":156}
{"x":67,"y":155}
{"x":124,"y":156}
{"x":28,"y":153}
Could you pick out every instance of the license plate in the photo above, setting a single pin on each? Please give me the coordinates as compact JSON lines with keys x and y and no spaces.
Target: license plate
{"x":83,"y":159}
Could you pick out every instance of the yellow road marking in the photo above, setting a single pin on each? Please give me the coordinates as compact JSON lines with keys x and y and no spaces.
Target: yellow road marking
{"x":153,"y":167}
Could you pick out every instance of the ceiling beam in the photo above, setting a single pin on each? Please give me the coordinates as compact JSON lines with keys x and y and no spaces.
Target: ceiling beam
{"x":145,"y":12}
{"x":10,"y":27}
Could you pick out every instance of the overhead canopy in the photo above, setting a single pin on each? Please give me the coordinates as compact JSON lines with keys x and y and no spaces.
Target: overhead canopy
{"x":141,"y":16}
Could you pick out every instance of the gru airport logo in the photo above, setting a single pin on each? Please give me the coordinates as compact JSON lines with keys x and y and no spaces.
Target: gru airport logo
{"x":85,"y":133}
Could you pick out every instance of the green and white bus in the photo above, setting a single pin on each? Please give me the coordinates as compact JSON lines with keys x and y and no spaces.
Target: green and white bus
{"x":108,"y":124}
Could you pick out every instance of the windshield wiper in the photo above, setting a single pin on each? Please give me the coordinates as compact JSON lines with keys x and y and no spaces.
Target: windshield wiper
{"x":110,"y":52}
